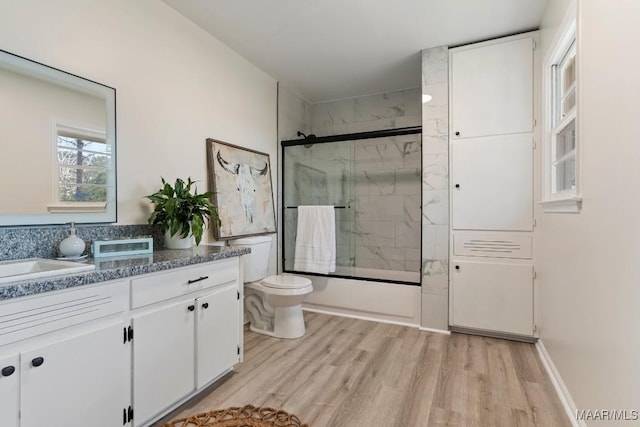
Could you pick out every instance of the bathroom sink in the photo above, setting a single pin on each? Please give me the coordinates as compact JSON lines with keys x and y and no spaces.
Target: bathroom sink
{"x":35,"y":268}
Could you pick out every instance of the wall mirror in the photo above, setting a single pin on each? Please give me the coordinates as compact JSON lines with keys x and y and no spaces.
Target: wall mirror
{"x":57,"y":146}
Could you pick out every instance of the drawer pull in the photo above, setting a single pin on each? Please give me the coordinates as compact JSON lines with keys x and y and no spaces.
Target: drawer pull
{"x":7,"y":371}
{"x":205,"y":305}
{"x":198,"y":279}
{"x":191,"y":307}
{"x":37,"y":361}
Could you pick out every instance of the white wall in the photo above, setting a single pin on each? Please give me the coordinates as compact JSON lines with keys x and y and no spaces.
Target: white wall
{"x":176,"y":85}
{"x":588,"y":262}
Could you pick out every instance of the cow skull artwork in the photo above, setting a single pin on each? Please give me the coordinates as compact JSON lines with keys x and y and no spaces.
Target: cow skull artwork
{"x":245,"y":183}
{"x":240,"y":179}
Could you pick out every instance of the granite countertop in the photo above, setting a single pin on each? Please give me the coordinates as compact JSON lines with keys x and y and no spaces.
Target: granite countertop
{"x":121,"y":267}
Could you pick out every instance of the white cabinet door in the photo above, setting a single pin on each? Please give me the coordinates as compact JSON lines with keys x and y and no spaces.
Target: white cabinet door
{"x":79,"y":381}
{"x":492,"y":296}
{"x":492,"y":89}
{"x":217,"y":333}
{"x":492,"y":183}
{"x":9,"y":379}
{"x":163,"y":358}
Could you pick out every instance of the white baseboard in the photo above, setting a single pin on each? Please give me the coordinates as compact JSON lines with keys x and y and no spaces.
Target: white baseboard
{"x":437,"y":331}
{"x":357,"y":316}
{"x":561,"y":389}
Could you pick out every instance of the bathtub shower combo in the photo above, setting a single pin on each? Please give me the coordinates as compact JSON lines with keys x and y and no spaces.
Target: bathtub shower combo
{"x":374,"y":181}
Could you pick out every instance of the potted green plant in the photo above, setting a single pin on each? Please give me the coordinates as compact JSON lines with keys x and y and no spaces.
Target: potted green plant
{"x":182,"y":213}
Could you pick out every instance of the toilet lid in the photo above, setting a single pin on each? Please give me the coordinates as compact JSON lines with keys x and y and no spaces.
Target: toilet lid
{"x":286,"y":282}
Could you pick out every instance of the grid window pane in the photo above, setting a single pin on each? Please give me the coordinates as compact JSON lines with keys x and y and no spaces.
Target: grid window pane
{"x":565,"y":173}
{"x":566,"y":140}
{"x":82,"y":169}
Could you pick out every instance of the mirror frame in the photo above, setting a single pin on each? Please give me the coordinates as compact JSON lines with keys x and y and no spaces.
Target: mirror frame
{"x":50,"y":74}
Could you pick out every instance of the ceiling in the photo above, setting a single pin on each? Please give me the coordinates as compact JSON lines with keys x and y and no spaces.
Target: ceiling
{"x":332,"y":49}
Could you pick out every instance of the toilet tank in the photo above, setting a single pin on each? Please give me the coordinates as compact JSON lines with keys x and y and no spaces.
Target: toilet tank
{"x":256,"y":263}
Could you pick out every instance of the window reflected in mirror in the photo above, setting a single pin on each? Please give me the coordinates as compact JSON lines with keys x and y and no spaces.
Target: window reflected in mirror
{"x":57,"y":139}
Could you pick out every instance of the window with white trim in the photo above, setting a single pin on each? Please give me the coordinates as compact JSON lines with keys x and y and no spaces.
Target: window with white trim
{"x":81,"y":162}
{"x":561,"y":140}
{"x":563,"y":126}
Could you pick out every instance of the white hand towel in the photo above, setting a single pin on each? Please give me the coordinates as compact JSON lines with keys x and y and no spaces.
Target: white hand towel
{"x":316,"y":240}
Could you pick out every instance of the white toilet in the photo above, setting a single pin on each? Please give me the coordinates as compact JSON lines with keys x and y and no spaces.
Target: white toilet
{"x":273,"y":303}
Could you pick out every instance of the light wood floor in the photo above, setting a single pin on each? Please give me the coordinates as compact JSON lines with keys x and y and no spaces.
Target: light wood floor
{"x":348,"y":372}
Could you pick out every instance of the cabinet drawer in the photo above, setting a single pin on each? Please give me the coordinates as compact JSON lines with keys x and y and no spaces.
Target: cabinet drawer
{"x":41,"y":314}
{"x":173,"y":283}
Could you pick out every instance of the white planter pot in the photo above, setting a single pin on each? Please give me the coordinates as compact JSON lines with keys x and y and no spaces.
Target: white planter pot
{"x":177,"y":242}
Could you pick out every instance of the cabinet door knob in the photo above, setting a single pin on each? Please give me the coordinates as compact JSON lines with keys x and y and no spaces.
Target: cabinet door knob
{"x":7,"y":371}
{"x":205,"y":305}
{"x":457,"y":133}
{"x":37,"y":361}
{"x":457,"y":185}
{"x":457,"y":267}
{"x":191,"y":307}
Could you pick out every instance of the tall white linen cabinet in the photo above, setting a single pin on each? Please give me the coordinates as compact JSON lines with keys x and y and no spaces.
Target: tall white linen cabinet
{"x":491,"y":137}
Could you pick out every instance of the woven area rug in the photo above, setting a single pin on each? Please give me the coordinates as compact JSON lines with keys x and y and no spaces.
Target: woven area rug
{"x":246,"y":416}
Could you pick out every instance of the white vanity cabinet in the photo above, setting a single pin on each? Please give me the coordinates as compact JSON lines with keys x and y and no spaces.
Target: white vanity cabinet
{"x":9,"y":386}
{"x":72,"y":381}
{"x":163,"y":357}
{"x":66,"y":358}
{"x":217,"y":335}
{"x":186,"y":328}
{"x":123,"y":352}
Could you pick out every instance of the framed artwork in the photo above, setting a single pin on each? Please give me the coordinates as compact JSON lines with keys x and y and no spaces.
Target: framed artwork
{"x":240,"y":179}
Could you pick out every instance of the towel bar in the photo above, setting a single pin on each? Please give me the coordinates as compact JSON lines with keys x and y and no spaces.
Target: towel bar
{"x":335,"y":207}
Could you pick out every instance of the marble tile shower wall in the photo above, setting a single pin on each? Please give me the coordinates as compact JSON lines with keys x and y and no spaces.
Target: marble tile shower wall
{"x":386,"y":229}
{"x":383,"y":229}
{"x":366,"y":113}
{"x":42,"y":242}
{"x":319,"y":174}
{"x":294,"y":114}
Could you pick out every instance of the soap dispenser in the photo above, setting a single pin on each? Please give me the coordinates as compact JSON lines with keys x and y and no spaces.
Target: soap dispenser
{"x":72,"y":246}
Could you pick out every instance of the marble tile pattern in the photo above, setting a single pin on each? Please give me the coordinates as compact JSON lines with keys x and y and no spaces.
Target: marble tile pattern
{"x":118,"y":268}
{"x":367,"y":113}
{"x":318,"y":174}
{"x":294,"y":114}
{"x":379,"y":180}
{"x":43,"y":242}
{"x":435,"y":187}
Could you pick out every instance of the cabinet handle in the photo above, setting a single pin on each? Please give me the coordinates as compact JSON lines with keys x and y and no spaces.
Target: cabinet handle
{"x":457,"y":185}
{"x":205,"y":305}
{"x":191,"y":307}
{"x":37,"y":361}
{"x":457,"y":133}
{"x":197,"y":280}
{"x":7,"y":371}
{"x":457,"y":267}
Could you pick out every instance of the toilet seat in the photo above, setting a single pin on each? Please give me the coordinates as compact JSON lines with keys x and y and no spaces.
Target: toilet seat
{"x":285,"y":282}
